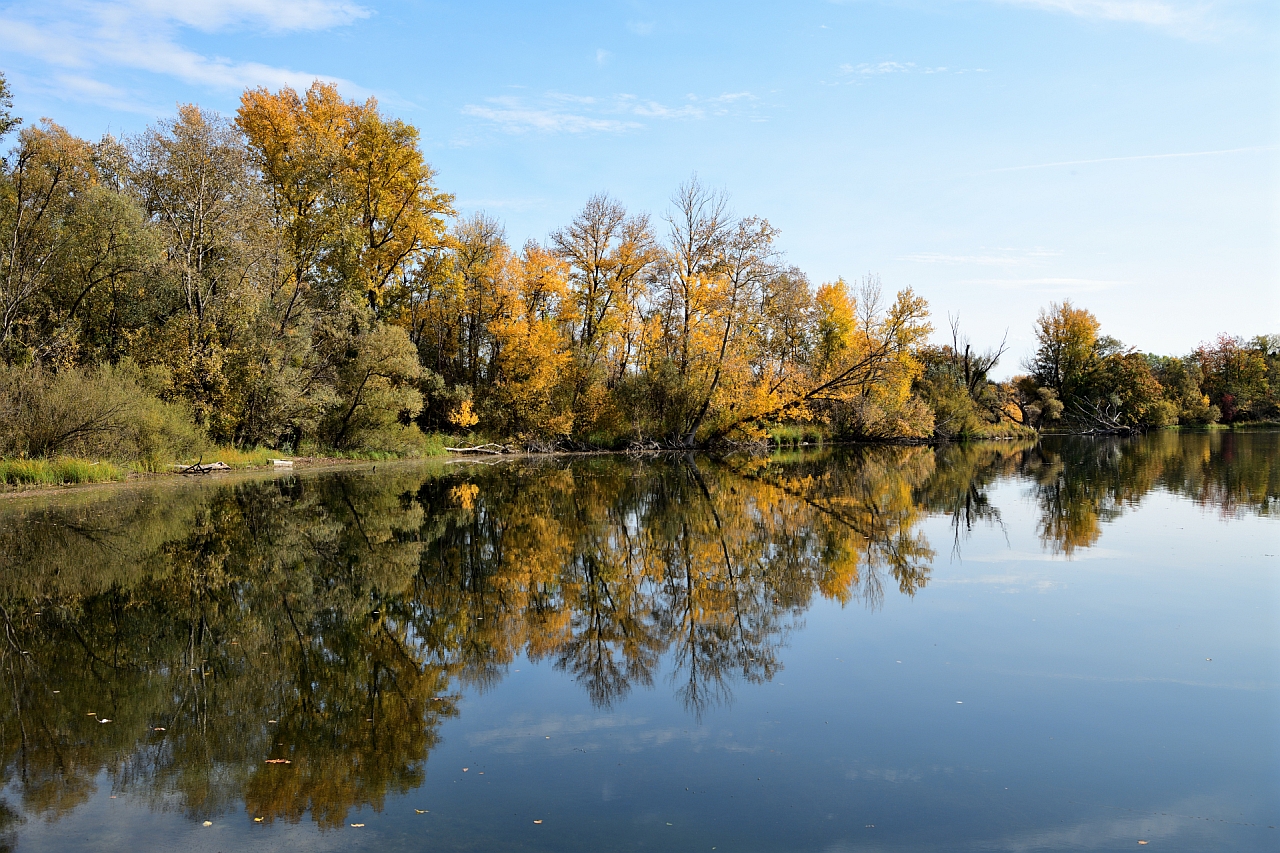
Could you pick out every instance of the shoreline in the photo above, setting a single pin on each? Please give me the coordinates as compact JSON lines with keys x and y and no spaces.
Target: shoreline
{"x":321,"y":464}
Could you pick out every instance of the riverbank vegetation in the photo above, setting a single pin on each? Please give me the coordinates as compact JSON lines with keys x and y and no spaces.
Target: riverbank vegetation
{"x":293,"y":280}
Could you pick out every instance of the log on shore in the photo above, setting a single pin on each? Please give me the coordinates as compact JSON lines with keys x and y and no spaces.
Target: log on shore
{"x":200,"y":468}
{"x":482,"y":448}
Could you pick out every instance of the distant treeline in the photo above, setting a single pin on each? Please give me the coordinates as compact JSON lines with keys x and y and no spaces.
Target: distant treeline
{"x":294,"y":279}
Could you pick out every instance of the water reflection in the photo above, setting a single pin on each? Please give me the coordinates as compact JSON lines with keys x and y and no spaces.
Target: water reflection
{"x":292,"y":646}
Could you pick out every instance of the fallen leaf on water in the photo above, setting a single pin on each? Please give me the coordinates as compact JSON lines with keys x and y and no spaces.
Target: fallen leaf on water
{"x":270,"y":721}
{"x":537,"y":821}
{"x":208,"y":823}
{"x":357,"y":824}
{"x":279,"y":761}
{"x":1142,"y":842}
{"x":420,"y":811}
{"x":92,"y":714}
{"x":158,"y":729}
{"x":104,"y":721}
{"x":465,"y":769}
{"x":57,"y":691}
{"x":257,"y":820}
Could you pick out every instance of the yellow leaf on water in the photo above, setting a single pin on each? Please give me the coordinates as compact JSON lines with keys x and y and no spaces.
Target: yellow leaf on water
{"x":420,"y":811}
{"x":537,"y":821}
{"x":357,"y":824}
{"x":257,"y":820}
{"x":208,"y":823}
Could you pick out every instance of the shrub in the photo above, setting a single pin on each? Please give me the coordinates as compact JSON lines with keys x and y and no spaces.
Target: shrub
{"x":102,"y":412}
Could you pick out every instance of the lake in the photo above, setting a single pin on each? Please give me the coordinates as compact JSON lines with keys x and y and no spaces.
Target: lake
{"x":1069,"y":645}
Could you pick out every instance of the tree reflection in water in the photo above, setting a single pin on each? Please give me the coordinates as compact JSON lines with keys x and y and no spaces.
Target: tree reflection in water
{"x":333,"y":621}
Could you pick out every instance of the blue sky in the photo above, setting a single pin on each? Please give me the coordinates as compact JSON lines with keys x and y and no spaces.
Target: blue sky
{"x":995,"y":155}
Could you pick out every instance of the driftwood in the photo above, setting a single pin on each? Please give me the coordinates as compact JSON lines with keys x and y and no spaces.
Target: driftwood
{"x":482,"y":448}
{"x":200,"y":468}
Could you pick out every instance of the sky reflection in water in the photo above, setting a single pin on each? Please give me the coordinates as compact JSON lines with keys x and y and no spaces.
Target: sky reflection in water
{"x":997,"y":647}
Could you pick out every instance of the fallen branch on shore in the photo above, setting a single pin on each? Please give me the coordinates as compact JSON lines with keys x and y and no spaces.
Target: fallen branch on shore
{"x":482,"y":448}
{"x":199,"y":468}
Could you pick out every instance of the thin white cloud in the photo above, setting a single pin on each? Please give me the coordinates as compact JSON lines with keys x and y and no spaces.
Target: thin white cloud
{"x":852,"y":73}
{"x":558,"y":112}
{"x":640,"y":28}
{"x":1047,"y":284}
{"x":1192,"y":19}
{"x":877,"y":68}
{"x":96,"y":39}
{"x":987,"y":258}
{"x":513,"y":117}
{"x":275,"y":15}
{"x":1158,"y":13}
{"x":1177,"y":155}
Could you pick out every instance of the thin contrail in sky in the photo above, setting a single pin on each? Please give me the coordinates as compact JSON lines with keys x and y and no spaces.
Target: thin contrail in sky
{"x":1138,"y":157}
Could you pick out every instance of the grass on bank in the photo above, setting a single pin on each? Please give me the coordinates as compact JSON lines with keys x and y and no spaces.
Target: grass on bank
{"x":793,"y":435}
{"x":60,"y":471}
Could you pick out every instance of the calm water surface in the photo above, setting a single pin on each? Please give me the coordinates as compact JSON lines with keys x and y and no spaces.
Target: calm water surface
{"x":1064,"y":646}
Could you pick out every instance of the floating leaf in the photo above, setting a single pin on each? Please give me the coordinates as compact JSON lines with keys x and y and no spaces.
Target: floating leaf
{"x":208,"y":823}
{"x":279,"y":761}
{"x":357,"y":824}
{"x":420,"y":811}
{"x":538,"y":821}
{"x":257,"y":820}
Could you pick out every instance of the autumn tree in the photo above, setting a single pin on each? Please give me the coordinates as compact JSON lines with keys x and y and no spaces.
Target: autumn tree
{"x":1066,"y":354}
{"x":8,"y":121}
{"x":1234,"y":376}
{"x":355,"y":204}
{"x":609,"y":255}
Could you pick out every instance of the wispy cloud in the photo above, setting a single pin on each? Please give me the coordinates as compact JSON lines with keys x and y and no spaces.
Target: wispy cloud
{"x":558,"y":112}
{"x":514,"y":117}
{"x":1250,"y":149}
{"x":275,"y":15}
{"x":641,"y":28}
{"x":97,"y":37}
{"x":1047,"y":284}
{"x":854,"y":73}
{"x":1159,"y":13}
{"x":1193,"y":19}
{"x":985,"y":257}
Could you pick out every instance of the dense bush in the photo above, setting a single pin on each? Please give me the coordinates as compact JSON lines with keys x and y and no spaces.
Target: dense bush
{"x":104,"y":412}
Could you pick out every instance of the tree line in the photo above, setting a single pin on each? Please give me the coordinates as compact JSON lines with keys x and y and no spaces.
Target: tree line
{"x":294,"y":278}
